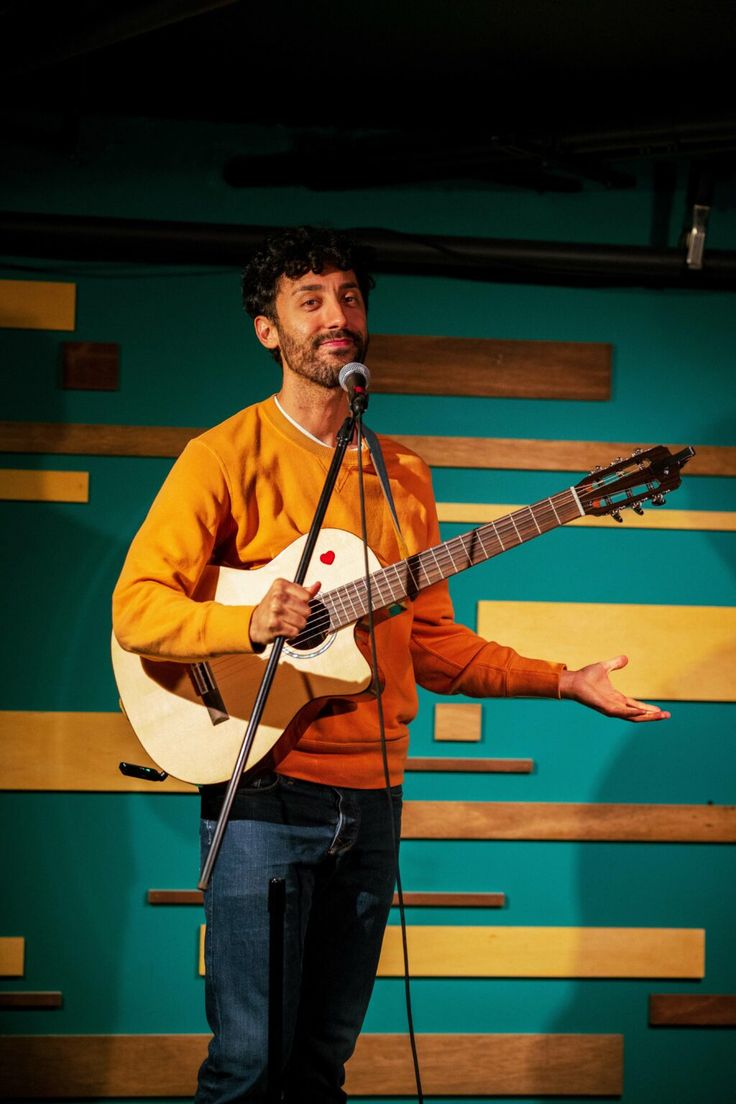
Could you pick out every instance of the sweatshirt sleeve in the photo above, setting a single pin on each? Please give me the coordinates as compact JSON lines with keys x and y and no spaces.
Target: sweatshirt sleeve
{"x":154,"y":613}
{"x":450,"y":658}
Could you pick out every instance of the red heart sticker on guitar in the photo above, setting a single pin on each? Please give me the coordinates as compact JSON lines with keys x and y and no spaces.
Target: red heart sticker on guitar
{"x":327,"y":557}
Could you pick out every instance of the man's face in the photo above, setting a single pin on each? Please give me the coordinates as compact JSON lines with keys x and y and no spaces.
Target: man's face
{"x":320,"y":324}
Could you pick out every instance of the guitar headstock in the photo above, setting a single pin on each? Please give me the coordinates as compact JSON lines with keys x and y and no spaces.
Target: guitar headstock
{"x":645,"y":476}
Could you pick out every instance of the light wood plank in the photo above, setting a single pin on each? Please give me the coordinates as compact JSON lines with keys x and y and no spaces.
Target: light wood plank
{"x":37,"y":305}
{"x":454,"y":951}
{"x":460,"y":721}
{"x":676,"y":653}
{"x":419,"y":365}
{"x":73,"y":752}
{"x":12,"y":955}
{"x":466,"y":765}
{"x":24,"y":485}
{"x":78,"y":1066}
{"x":30,"y":1001}
{"x":529,"y":454}
{"x":525,"y":454}
{"x":692,"y":1010}
{"x":548,"y":820}
{"x":478,"y":513}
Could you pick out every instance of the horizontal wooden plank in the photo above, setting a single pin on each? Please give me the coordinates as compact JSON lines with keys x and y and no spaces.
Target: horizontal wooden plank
{"x":452,"y":900}
{"x":459,"y":721}
{"x":548,"y":820}
{"x":73,"y":752}
{"x":30,"y":1001}
{"x":692,"y":1010}
{"x":529,"y":454}
{"x":90,"y":365}
{"x":12,"y":955}
{"x":489,"y":1065}
{"x":468,"y":765}
{"x":78,"y":1066}
{"x":23,"y":485}
{"x":409,"y":364}
{"x":37,"y":305}
{"x":676,"y":653}
{"x":411,"y":900}
{"x":477,"y":513}
{"x":454,"y":951}
{"x":526,"y":454}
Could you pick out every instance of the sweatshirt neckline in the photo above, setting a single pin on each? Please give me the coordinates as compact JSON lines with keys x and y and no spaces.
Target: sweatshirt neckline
{"x":300,"y":436}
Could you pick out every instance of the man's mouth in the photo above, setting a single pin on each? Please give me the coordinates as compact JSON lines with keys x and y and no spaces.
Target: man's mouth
{"x":342,"y":341}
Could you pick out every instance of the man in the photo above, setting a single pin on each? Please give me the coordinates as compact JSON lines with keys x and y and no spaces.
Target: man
{"x":317,"y":813}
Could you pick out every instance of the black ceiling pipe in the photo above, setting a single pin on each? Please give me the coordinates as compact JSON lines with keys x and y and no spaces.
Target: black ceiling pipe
{"x":503,"y":261}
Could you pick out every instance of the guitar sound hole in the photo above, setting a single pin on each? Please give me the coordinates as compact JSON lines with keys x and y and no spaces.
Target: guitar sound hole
{"x":316,"y":630}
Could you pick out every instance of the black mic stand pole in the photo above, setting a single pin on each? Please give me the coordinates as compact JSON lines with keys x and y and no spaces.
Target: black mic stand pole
{"x":344,"y":437}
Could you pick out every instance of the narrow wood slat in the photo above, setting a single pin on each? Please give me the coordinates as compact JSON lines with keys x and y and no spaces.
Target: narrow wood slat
{"x":78,"y":1066}
{"x":37,"y":305}
{"x":478,"y":513}
{"x":471,"y":766}
{"x":420,"y":365}
{"x":454,"y":951}
{"x":30,"y":1000}
{"x":12,"y":955}
{"x":23,"y":485}
{"x":676,"y":653}
{"x":529,"y":454}
{"x":527,"y":820}
{"x":525,"y":454}
{"x":458,"y":721}
{"x":411,"y":900}
{"x":452,"y":900}
{"x":175,"y":897}
{"x":692,"y":1010}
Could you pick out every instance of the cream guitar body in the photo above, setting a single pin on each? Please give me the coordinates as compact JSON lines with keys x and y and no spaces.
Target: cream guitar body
{"x":181,"y":723}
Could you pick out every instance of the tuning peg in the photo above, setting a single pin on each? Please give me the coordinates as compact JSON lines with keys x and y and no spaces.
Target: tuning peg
{"x":658,"y":500}
{"x":638,"y":451}
{"x":616,"y":516}
{"x":638,"y":509}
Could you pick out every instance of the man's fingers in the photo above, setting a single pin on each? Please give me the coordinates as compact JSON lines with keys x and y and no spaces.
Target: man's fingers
{"x":616,"y":663}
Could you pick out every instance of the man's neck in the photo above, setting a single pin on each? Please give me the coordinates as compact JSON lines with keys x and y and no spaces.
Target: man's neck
{"x":319,"y":410}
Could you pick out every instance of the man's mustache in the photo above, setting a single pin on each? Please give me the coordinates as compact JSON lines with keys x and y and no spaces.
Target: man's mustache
{"x":336,"y":335}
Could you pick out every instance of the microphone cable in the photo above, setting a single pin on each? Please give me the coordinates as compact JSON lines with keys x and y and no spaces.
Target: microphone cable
{"x":386,"y":772}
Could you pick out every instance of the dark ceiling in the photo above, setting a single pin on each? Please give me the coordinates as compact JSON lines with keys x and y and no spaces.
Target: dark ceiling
{"x":546,"y":93}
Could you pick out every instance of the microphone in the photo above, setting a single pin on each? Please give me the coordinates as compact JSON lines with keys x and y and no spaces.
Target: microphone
{"x":354,"y":378}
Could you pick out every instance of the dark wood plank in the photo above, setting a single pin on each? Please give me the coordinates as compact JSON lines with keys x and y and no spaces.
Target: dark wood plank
{"x":471,"y":766}
{"x":527,"y":820}
{"x":440,"y":452}
{"x":30,"y":1000}
{"x":452,"y":900}
{"x":692,"y":1010}
{"x":175,"y":897}
{"x":413,"y":900}
{"x":90,"y":365}
{"x":419,"y":365}
{"x":77,"y":1066}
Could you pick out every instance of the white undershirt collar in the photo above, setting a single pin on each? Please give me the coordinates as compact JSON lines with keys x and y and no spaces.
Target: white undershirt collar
{"x":301,"y":428}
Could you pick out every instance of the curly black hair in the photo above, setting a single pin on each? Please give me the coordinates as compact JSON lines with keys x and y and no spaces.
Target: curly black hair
{"x":293,"y":252}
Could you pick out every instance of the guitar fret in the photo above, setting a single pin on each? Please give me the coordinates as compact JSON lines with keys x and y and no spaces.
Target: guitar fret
{"x":530,"y":511}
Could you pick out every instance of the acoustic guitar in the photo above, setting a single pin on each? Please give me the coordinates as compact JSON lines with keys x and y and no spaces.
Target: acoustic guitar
{"x":191,"y":717}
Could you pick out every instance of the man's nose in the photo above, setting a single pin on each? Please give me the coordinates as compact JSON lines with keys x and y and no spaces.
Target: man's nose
{"x":335,"y":315}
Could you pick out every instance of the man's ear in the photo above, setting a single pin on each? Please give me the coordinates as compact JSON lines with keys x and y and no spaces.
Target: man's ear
{"x":266,"y":331}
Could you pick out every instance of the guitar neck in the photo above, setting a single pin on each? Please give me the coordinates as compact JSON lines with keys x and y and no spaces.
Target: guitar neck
{"x":346,"y":604}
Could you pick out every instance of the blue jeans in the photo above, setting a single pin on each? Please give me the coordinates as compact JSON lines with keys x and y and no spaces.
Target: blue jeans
{"x":334,"y":848}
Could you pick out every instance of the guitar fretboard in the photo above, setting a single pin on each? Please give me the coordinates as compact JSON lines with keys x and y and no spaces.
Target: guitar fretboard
{"x":346,"y":604}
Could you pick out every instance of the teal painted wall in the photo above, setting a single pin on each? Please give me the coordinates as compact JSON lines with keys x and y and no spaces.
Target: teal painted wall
{"x":81,"y":864}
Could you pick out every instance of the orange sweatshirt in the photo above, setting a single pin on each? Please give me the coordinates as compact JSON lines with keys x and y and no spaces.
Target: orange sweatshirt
{"x":237,"y":496}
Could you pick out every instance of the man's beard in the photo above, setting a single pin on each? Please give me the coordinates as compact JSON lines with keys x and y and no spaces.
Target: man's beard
{"x":303,"y":357}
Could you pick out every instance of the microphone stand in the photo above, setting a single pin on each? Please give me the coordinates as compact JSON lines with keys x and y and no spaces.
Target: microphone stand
{"x":344,"y":437}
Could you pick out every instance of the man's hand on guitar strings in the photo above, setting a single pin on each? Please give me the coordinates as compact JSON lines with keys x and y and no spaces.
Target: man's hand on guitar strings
{"x":592,"y":686}
{"x":283,"y":611}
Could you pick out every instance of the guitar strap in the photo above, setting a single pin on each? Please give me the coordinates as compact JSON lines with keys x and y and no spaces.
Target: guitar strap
{"x":379,"y":464}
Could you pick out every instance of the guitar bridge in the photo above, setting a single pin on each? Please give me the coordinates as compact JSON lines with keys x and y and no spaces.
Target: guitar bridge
{"x":204,"y":683}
